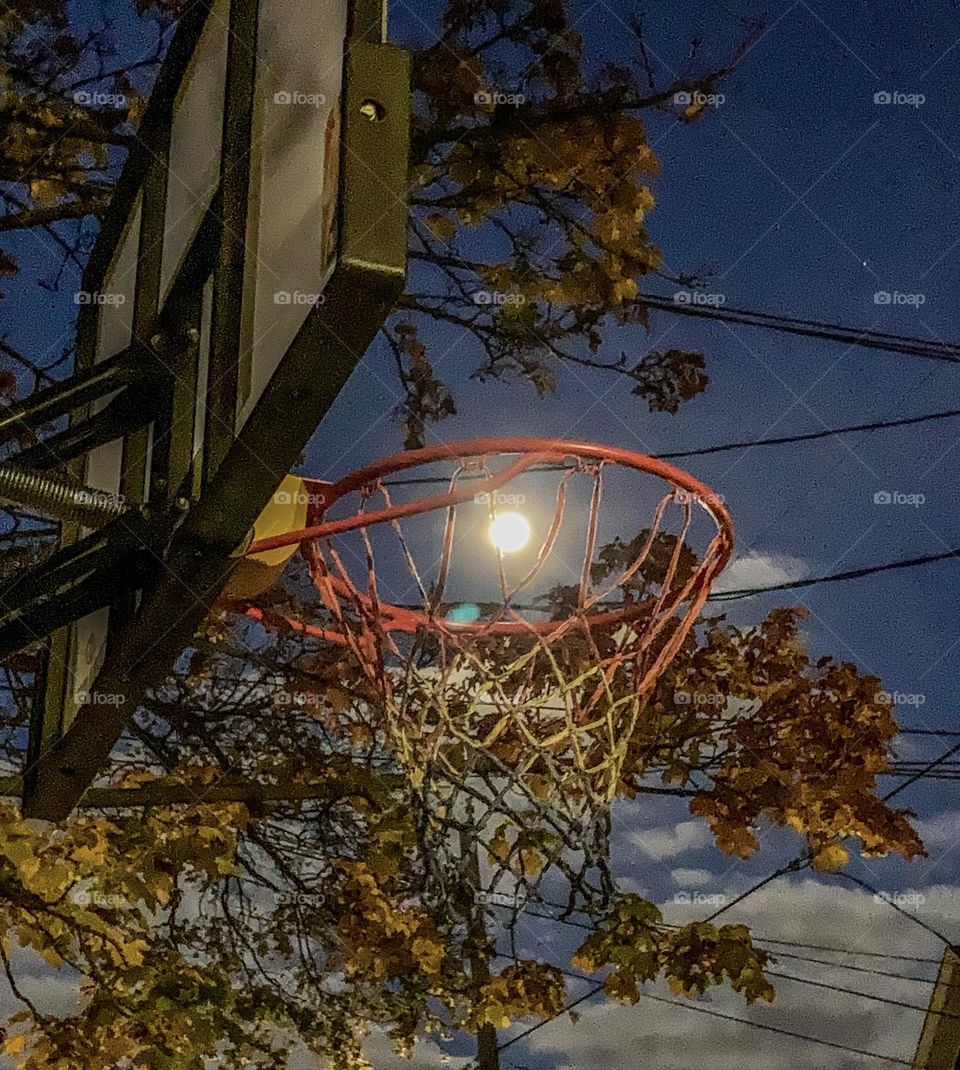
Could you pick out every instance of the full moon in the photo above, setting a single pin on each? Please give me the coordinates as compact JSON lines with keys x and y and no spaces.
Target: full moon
{"x":509,"y":532}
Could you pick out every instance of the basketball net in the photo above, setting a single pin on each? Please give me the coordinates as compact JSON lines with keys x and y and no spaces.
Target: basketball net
{"x":515,"y":725}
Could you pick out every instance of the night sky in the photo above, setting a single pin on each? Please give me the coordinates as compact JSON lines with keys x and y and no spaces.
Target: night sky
{"x":798,"y":195}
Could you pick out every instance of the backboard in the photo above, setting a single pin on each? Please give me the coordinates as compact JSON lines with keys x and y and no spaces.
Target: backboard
{"x":254,"y":246}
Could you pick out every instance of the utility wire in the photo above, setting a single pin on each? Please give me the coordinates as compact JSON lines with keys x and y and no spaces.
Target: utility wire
{"x":835,"y":577}
{"x":862,"y":995}
{"x":896,"y":906}
{"x":740,"y":593}
{"x":829,"y":332}
{"x":597,"y":987}
{"x":841,"y":989}
{"x":854,"y":968}
{"x":928,"y":732}
{"x":776,"y":1029}
{"x":802,"y":862}
{"x":723,"y":447}
{"x":809,"y":436}
{"x":762,"y":942}
{"x":795,"y":866}
{"x":762,"y":939}
{"x":924,"y":772}
{"x":945,"y":776}
{"x":850,"y":951}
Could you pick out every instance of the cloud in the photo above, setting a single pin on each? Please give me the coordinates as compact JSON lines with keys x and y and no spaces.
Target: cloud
{"x":678,"y":1037}
{"x":692,"y":878}
{"x":671,"y":841}
{"x":941,"y":832}
{"x":761,"y":570}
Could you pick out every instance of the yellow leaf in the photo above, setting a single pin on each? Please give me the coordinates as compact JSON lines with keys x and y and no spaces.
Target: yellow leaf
{"x":532,"y":861}
{"x":130,"y":953}
{"x":833,"y":856}
{"x":45,"y":190}
{"x":13,"y":1045}
{"x":91,"y":856}
{"x":49,"y":956}
{"x":443,"y":226}
{"x":625,"y":290}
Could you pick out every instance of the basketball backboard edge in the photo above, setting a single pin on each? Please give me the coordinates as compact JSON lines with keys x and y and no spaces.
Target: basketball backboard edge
{"x":366,"y":281}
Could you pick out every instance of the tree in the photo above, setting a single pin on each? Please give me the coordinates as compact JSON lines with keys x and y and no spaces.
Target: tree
{"x":232,"y":929}
{"x":238,"y":928}
{"x":513,"y":140}
{"x":516,"y":143}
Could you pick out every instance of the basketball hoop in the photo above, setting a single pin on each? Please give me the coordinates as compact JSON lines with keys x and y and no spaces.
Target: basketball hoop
{"x":520,"y":707}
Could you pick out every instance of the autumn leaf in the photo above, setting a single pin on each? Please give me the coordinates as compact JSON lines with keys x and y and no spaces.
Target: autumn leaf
{"x":831,"y":857}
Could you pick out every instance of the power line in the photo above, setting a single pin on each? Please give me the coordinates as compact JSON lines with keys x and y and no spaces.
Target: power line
{"x":851,"y":951}
{"x":854,"y":968}
{"x":810,"y":436}
{"x":863,"y":995}
{"x":886,"y":974}
{"x":723,"y":447}
{"x":926,"y":349}
{"x":597,"y":987}
{"x":777,"y":1029}
{"x":762,"y":941}
{"x":741,"y":593}
{"x":801,"y":862}
{"x":922,"y":773}
{"x":891,"y":902}
{"x":794,"y":866}
{"x":557,"y":1014}
{"x":835,"y":577}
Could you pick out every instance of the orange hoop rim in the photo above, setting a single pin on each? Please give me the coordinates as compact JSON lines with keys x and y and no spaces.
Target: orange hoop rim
{"x":531,"y":452}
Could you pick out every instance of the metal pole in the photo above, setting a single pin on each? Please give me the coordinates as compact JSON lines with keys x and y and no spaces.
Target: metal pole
{"x":488,"y":1055}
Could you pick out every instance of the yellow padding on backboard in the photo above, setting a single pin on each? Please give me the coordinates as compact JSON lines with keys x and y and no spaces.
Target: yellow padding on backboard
{"x":286,"y":511}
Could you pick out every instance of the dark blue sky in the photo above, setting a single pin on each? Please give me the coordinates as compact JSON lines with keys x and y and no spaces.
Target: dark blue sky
{"x":798,"y":195}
